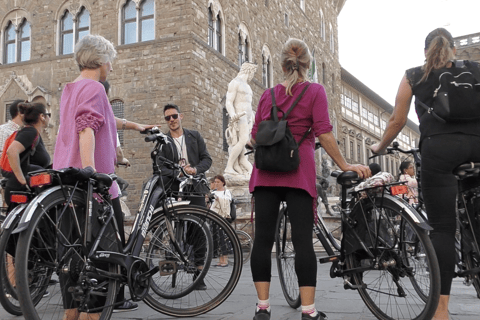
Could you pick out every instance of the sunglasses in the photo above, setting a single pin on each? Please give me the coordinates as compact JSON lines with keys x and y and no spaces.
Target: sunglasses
{"x":48,"y":114}
{"x":174,"y":116}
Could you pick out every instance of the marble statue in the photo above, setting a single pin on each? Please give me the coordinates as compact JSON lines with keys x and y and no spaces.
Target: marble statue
{"x":239,"y":107}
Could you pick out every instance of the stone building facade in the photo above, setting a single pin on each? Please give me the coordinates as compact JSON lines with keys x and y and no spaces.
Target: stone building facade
{"x":468,"y":47}
{"x":180,"y":51}
{"x":364,"y":118}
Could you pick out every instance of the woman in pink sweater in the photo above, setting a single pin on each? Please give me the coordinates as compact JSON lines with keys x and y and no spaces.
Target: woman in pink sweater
{"x":87,"y":134}
{"x":296,"y":187}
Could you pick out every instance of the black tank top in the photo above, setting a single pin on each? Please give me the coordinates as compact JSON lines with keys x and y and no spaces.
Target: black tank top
{"x":430,"y":126}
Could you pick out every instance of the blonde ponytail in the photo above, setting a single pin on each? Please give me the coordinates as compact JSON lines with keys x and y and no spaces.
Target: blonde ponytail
{"x":295,"y":62}
{"x":439,"y":51}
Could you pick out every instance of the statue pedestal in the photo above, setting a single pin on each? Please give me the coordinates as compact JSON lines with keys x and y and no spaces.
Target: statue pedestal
{"x":238,"y":186}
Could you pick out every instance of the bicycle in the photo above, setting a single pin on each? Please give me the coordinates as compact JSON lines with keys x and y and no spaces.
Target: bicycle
{"x":168,"y":253}
{"x":375,"y":255}
{"x":467,"y":240}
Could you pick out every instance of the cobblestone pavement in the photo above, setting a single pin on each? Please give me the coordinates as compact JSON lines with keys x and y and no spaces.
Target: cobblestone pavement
{"x":337,"y":303}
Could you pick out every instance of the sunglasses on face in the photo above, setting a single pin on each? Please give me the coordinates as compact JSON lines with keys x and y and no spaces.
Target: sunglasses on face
{"x":48,"y":114}
{"x":174,"y":116}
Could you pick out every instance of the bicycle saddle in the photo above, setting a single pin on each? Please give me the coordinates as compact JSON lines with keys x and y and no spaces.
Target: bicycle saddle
{"x":347,"y":178}
{"x":466,"y":170}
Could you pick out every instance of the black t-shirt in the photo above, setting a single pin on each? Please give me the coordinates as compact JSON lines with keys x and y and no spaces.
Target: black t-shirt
{"x":40,"y":159}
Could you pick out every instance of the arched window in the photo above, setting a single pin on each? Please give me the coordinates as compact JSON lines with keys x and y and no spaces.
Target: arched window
{"x":17,"y":43}
{"x":244,"y":53}
{"x":145,"y":14}
{"x":147,"y":23}
{"x":24,"y":42}
{"x":332,"y":39}
{"x":83,"y":24}
{"x":72,"y":29}
{"x":240,"y":50}
{"x":266,"y":67}
{"x":210,"y":27}
{"x":129,"y":23}
{"x":322,"y":25}
{"x":66,"y":34}
{"x":10,"y":38}
{"x":118,"y":111}
{"x":219,"y":34}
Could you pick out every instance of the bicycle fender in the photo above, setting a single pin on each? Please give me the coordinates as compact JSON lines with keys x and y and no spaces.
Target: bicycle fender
{"x":32,"y":206}
{"x":411,"y":212}
{"x":13,"y":216}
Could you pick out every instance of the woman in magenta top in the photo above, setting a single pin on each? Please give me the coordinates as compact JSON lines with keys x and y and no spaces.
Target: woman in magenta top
{"x":296,"y":187}
{"x":87,"y":133}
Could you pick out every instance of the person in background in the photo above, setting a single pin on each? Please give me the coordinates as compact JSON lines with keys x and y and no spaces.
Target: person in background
{"x":188,"y":149}
{"x":407,"y":174}
{"x":27,"y":140}
{"x":221,"y":205}
{"x":296,"y":187}
{"x":11,"y":126}
{"x":443,"y":146}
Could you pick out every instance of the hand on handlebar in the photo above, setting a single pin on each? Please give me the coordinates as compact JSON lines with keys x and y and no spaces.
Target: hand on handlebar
{"x":144,"y":127}
{"x":376,"y":149}
{"x":190,"y":170}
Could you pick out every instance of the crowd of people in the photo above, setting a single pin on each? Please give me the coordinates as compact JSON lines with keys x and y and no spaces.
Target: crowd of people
{"x":87,"y":137}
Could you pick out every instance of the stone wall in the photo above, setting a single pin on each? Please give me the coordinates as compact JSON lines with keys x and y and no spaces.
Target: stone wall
{"x":178,"y":66}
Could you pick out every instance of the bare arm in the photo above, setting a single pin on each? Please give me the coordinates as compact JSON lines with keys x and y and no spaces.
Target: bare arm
{"x":129,"y":125}
{"x":399,"y":117}
{"x":87,"y":147}
{"x":330,"y":145}
{"x":13,"y":154}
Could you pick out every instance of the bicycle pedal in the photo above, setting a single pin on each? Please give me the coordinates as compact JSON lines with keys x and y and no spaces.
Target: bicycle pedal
{"x":348,"y":285}
{"x":167,"y":268}
{"x":329,"y":259}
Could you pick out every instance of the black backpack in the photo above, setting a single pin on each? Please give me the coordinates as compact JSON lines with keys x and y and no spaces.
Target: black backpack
{"x":276,"y":149}
{"x":457,"y":93}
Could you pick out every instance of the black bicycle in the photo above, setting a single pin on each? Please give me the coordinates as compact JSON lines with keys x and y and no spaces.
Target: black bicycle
{"x":468,"y":216}
{"x":69,"y":236}
{"x":375,"y":252}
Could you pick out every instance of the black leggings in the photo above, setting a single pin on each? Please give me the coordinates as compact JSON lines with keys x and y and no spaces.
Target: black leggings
{"x":300,"y":212}
{"x":440,"y":155}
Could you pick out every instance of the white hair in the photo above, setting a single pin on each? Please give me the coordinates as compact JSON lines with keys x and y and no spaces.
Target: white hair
{"x":92,"y":51}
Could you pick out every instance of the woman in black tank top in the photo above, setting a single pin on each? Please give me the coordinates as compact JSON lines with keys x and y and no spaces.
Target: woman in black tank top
{"x":443,"y":146}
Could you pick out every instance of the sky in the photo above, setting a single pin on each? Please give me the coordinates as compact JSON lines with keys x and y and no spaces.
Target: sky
{"x":380,"y":39}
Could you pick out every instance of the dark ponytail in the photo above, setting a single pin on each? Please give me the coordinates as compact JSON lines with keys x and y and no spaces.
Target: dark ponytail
{"x":439,"y":46}
{"x":31,"y":112}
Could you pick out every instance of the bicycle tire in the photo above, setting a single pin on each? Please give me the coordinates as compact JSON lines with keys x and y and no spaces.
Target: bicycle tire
{"x":246,"y":242}
{"x":178,"y":284}
{"x":8,"y":293}
{"x":472,"y":261}
{"x":220,"y":281}
{"x":285,"y":257}
{"x":38,"y":248}
{"x":381,"y":285}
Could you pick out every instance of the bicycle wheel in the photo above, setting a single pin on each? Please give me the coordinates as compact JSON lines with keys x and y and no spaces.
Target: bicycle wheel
{"x":385,"y":283}
{"x":246,"y":242}
{"x":285,"y":256}
{"x":220,"y":281}
{"x":178,"y":277}
{"x":8,"y":292}
{"x":50,"y":259}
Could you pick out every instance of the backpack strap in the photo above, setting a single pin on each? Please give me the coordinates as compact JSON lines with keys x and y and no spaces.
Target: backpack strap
{"x":296,"y":101}
{"x":32,"y":152}
{"x":274,"y":110}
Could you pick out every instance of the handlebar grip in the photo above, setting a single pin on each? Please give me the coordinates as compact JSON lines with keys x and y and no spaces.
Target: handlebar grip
{"x":150,"y":138}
